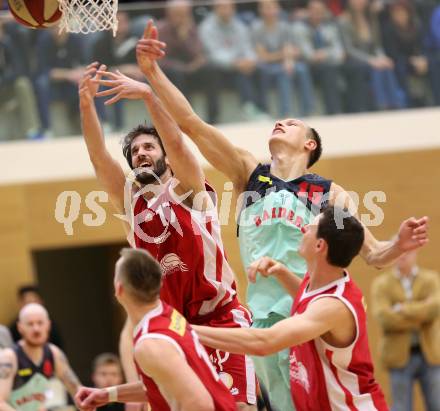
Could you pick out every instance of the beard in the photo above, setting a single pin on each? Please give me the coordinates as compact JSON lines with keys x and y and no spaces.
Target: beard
{"x":147,"y":177}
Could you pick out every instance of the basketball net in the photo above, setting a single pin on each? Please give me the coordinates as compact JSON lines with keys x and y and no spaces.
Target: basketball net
{"x":88,"y":16}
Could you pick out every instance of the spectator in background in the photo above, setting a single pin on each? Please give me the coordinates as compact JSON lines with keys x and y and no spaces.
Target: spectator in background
{"x":229,"y":51}
{"x":185,"y":63}
{"x":278,"y":60}
{"x":336,"y":7}
{"x":107,"y":372}
{"x":367,"y":63}
{"x":406,"y":302}
{"x":59,"y":69}
{"x":5,"y":338}
{"x":16,"y":87}
{"x":29,"y":294}
{"x":322,"y":48}
{"x":403,"y":43}
{"x":434,"y":53}
{"x":117,"y":53}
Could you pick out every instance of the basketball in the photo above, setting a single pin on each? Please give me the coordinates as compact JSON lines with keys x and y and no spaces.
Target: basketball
{"x":35,"y":13}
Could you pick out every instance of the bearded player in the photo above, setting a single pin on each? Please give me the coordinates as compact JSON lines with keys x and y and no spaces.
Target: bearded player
{"x":25,"y":369}
{"x":175,"y":219}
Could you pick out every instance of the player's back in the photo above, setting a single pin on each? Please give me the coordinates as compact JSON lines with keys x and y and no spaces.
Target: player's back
{"x":198,"y":280}
{"x":327,"y":378}
{"x":164,"y":322}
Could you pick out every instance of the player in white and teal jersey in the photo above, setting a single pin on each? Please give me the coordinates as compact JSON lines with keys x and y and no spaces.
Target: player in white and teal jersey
{"x":271,"y":223}
{"x":27,"y":368}
{"x":294,"y":147}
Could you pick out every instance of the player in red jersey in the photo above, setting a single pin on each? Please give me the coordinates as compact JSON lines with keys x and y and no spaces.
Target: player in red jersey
{"x":174,"y":218}
{"x":175,"y":369}
{"x":330,"y":362}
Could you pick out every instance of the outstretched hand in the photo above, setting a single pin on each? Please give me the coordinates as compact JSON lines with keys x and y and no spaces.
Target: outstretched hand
{"x":413,"y":233}
{"x":266,"y":266}
{"x":121,"y":86}
{"x":87,"y":399}
{"x":149,"y":48}
{"x":88,"y":85}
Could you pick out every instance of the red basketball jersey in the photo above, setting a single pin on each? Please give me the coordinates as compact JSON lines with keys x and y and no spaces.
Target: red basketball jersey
{"x":197,"y":279}
{"x":326,"y":378}
{"x":167,"y":324}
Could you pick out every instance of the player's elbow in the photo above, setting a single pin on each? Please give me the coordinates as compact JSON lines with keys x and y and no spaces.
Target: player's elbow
{"x":261,"y":351}
{"x":262,"y":346}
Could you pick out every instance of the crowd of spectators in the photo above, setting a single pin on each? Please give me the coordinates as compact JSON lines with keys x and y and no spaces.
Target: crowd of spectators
{"x":344,"y":56}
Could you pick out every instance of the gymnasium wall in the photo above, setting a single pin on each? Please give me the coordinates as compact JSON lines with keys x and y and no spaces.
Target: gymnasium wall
{"x":395,"y":153}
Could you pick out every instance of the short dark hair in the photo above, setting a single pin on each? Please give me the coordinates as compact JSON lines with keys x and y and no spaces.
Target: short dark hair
{"x":344,"y":243}
{"x":28,"y":288}
{"x":315,"y":155}
{"x":135,"y":132}
{"x":106,"y":358}
{"x":141,"y":274}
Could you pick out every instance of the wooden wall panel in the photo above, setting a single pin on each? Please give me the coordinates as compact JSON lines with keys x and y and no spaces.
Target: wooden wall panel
{"x":15,"y":261}
{"x":46,"y":232}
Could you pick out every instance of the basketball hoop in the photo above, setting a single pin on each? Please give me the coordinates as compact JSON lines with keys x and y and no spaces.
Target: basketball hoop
{"x":88,"y":16}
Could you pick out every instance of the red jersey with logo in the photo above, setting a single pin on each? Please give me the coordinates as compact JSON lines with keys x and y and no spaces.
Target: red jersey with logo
{"x":165,"y":323}
{"x":198,"y":280}
{"x":326,"y":378}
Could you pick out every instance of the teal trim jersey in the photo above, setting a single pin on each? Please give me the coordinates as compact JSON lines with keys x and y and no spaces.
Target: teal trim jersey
{"x":31,"y":383}
{"x":270,"y":224}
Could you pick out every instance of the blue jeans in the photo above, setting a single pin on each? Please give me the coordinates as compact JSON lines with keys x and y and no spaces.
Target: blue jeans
{"x":286,"y":85}
{"x":115,"y":112}
{"x":434,"y":76}
{"x":386,"y":90}
{"x":327,"y":76}
{"x":275,"y":72}
{"x":402,"y":380}
{"x":303,"y":81}
{"x":47,"y":91}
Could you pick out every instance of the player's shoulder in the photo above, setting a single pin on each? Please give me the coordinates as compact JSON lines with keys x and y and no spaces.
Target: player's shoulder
{"x":57,"y":352}
{"x":169,"y":325}
{"x":330,"y":307}
{"x":336,"y":188}
{"x":7,"y":353}
{"x":8,"y":356}
{"x":154,"y":348}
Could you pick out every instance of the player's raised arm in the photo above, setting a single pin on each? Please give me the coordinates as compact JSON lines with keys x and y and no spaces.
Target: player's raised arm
{"x":236,"y":163}
{"x":108,"y":171}
{"x":186,"y":168}
{"x":8,"y":369}
{"x":321,"y":317}
{"x":412,"y":234}
{"x":267,"y":266}
{"x":169,"y":369}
